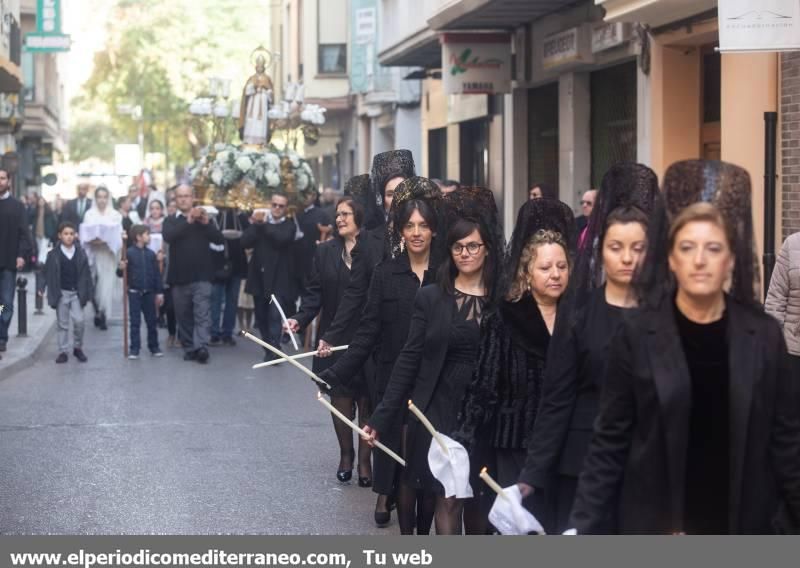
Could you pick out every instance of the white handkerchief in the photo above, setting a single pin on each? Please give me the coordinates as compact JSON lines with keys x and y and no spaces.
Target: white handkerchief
{"x":510,"y":517}
{"x":451,"y":469}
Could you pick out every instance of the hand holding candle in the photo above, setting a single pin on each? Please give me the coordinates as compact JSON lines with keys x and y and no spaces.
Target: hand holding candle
{"x":492,"y":483}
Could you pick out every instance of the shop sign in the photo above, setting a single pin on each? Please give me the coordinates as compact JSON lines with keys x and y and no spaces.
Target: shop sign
{"x":48,"y":36}
{"x":366,"y":25}
{"x":476,"y":63}
{"x":568,"y":47}
{"x":759,"y":25}
{"x":607,"y":36}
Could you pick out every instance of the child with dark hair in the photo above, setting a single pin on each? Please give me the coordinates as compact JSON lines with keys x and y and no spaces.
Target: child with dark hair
{"x":69,"y":288}
{"x":145,"y":291}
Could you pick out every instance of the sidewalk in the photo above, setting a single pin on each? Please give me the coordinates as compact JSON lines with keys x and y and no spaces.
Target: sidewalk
{"x":23,"y":350}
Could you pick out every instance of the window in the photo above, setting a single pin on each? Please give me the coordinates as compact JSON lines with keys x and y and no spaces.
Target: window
{"x":613,"y":122}
{"x":474,"y":135}
{"x":543,"y":136}
{"x":28,"y":75}
{"x":333,"y":58}
{"x":437,"y":153}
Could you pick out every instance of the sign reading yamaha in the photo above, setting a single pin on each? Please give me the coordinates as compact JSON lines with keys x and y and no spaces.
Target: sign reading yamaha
{"x":476,"y":63}
{"x":759,"y":25}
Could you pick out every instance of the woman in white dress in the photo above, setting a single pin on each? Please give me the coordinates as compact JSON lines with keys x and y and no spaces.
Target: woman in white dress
{"x":101,"y":237}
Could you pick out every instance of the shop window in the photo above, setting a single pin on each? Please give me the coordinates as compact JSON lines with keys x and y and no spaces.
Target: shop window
{"x":474,"y":154}
{"x":333,"y":58}
{"x":613,"y":122}
{"x":437,"y":153}
{"x":543,"y":135}
{"x":28,"y":75}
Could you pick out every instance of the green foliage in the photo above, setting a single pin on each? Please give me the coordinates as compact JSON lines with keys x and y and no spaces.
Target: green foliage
{"x":160,"y":55}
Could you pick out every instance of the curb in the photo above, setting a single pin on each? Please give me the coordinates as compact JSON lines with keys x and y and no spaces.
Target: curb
{"x":7,"y":371}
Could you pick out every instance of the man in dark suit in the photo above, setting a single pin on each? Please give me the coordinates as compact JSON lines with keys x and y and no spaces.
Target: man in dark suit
{"x":271,"y":235}
{"x":75,"y":209}
{"x":312,"y":220}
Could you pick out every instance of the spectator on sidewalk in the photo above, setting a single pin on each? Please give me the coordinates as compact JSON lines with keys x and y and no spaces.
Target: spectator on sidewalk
{"x":587,"y":204}
{"x":189,"y":233}
{"x":75,"y":209}
{"x":69,"y":289}
{"x":271,"y":235}
{"x":230,"y":269}
{"x":145,"y":291}
{"x":15,"y":247}
{"x":315,"y":225}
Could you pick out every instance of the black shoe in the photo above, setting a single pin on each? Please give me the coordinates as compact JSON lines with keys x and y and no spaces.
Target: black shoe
{"x":2,"y":346}
{"x":62,"y":358}
{"x":230,"y":341}
{"x":382,"y":518}
{"x":190,"y":356}
{"x":97,"y":320}
{"x":364,"y":481}
{"x":345,"y":475}
{"x":79,"y":355}
{"x":215,"y":342}
{"x":202,"y":355}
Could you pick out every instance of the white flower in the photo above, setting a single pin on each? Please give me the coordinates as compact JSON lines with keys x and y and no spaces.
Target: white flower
{"x":244,"y":164}
{"x":302,"y":181}
{"x":273,"y":161}
{"x":216,"y":176}
{"x":273,"y":179}
{"x":306,"y":168}
{"x":222,"y":157}
{"x":219,"y":147}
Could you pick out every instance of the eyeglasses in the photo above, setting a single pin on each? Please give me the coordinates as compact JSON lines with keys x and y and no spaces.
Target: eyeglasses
{"x":587,"y":203}
{"x":343,"y":214}
{"x":278,"y":206}
{"x":472,"y":248}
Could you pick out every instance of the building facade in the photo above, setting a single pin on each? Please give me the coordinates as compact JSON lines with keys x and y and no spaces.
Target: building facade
{"x":11,"y":112}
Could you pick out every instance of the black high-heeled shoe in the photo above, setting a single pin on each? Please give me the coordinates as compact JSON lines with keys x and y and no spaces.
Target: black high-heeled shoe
{"x":364,"y":481}
{"x":345,"y":475}
{"x":382,"y":518}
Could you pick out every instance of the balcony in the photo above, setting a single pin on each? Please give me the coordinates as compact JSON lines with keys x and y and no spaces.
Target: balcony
{"x":654,"y":13}
{"x":405,"y":37}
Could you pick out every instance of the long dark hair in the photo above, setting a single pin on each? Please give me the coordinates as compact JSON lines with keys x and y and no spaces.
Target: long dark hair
{"x":448,"y":270}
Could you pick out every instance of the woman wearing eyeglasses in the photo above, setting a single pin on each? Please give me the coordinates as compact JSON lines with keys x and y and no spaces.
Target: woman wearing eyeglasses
{"x":436,"y":364}
{"x":323,"y":291}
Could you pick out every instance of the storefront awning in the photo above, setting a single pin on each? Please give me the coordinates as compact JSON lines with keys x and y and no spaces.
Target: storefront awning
{"x":654,"y":13}
{"x":420,"y":50}
{"x":10,"y":76}
{"x":493,"y":14}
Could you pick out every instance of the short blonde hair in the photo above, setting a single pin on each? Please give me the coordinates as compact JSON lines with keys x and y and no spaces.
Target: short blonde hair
{"x":699,"y":212}
{"x":519,"y":283}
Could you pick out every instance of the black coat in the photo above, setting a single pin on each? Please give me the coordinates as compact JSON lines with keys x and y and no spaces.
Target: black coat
{"x":384,"y":324}
{"x":69,"y":213}
{"x":323,"y":291}
{"x":303,"y":249}
{"x":419,"y":365}
{"x":15,"y":238}
{"x":637,"y":458}
{"x":270,"y":266}
{"x":190,"y":257}
{"x":369,"y":251}
{"x":52,"y":275}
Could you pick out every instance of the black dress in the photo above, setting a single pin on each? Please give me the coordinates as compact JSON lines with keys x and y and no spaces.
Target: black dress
{"x":576,"y":369}
{"x":707,"y":472}
{"x":323,"y":291}
{"x":443,"y":410}
{"x":381,"y":333}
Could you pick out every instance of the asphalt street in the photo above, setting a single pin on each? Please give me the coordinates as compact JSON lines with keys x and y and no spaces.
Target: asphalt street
{"x":163,"y":446}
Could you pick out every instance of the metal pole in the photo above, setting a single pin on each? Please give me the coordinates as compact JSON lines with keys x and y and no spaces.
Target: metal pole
{"x":22,"y":307}
{"x":770,"y":175}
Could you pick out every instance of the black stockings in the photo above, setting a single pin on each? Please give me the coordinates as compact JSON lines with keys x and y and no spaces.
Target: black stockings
{"x":347,"y":406}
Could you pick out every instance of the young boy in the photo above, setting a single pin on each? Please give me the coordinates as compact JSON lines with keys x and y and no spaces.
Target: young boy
{"x":69,"y":288}
{"x":145,"y":291}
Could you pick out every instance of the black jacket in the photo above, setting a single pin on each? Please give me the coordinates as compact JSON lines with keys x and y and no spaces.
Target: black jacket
{"x":637,"y":458}
{"x":270,"y":267}
{"x":69,"y":213}
{"x":143,"y":272}
{"x":383,"y":327}
{"x":303,"y":249}
{"x":419,"y":365}
{"x":190,"y":257}
{"x":52,"y":275}
{"x":369,"y":251}
{"x":15,"y":238}
{"x":323,"y":291}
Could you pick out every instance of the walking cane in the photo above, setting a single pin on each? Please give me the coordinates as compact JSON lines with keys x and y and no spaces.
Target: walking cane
{"x":125,"y":295}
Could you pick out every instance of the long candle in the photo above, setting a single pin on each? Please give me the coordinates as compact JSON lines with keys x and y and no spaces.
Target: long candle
{"x":427,"y":423}
{"x":492,"y":483}
{"x":285,"y":322}
{"x":359,"y":430}
{"x":283,"y":355}
{"x":296,"y":357}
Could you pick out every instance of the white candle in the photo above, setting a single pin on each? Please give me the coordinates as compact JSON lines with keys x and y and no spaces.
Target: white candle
{"x":427,"y":423}
{"x":281,"y":354}
{"x":359,"y":430}
{"x":296,"y":357}
{"x":492,"y":483}
{"x":285,"y":321}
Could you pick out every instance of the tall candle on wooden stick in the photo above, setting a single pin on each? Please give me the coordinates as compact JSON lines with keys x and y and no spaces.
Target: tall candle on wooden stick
{"x":427,"y":423}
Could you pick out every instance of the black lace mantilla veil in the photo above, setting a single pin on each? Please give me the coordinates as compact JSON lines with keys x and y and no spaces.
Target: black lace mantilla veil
{"x":410,"y":189}
{"x":385,"y":166}
{"x":538,"y":215}
{"x":626,"y":184}
{"x":478,"y":204}
{"x":725,"y":186}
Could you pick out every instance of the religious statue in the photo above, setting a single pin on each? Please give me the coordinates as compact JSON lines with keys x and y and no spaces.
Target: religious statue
{"x":256,"y":98}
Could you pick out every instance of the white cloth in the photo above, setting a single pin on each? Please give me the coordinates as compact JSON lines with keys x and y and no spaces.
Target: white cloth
{"x":103,"y":256}
{"x":451,"y":469}
{"x":509,"y":516}
{"x":256,"y":122}
{"x":68,"y":252}
{"x":156,"y":240}
{"x":5,"y":195}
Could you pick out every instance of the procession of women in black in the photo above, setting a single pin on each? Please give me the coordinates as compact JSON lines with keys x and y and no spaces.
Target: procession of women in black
{"x":624,"y":380}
